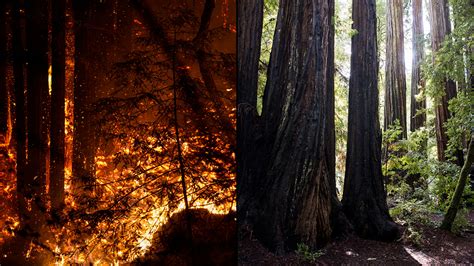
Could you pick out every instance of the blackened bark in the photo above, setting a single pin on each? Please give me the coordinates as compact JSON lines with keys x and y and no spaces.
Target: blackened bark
{"x":18,"y":43}
{"x":86,"y":74}
{"x":440,"y":28}
{"x":417,"y":114}
{"x":56,"y":188}
{"x":364,"y":199}
{"x":3,"y":69}
{"x":249,"y":33}
{"x":395,"y":82}
{"x":37,"y":102}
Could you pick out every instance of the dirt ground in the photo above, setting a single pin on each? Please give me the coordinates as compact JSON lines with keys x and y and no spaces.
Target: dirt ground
{"x":438,"y":247}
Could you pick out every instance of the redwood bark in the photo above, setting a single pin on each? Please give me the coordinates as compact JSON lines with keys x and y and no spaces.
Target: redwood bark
{"x":440,"y":28}
{"x":417,"y":83}
{"x":56,"y":185}
{"x":395,"y":82}
{"x":364,"y":198}
{"x":249,"y":33}
{"x":290,"y":182}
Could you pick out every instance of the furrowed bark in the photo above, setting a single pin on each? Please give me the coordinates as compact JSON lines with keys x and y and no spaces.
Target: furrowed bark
{"x":364,"y":199}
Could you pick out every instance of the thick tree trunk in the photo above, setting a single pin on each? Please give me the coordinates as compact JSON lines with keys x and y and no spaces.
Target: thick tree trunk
{"x":456,"y":200}
{"x":3,"y":72}
{"x":56,"y":188}
{"x":417,"y":84}
{"x":395,"y":82}
{"x":291,"y":190}
{"x":364,"y":198}
{"x":37,"y":102}
{"x":440,"y":28}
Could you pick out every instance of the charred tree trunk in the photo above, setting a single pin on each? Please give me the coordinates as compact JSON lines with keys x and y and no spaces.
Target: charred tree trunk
{"x":37,"y":102}
{"x":440,"y":28}
{"x":3,"y":71}
{"x":57,"y":160}
{"x":395,"y":82}
{"x":18,"y":44}
{"x":364,"y":198}
{"x":417,"y":119}
{"x":286,"y":190}
{"x":94,"y":51}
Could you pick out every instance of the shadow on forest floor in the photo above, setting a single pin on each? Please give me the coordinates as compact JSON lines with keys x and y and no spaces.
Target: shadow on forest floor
{"x":438,"y":247}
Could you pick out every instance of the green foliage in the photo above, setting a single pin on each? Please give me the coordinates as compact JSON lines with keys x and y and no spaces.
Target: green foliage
{"x":461,"y":122}
{"x":307,"y":254}
{"x":460,"y":222}
{"x":270,"y":12}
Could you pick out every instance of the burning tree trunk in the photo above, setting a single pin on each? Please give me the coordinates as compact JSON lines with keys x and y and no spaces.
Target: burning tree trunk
{"x":20,"y":129}
{"x":37,"y":102}
{"x":56,"y":188}
{"x":417,"y":119}
{"x":440,"y":28}
{"x":94,"y":47}
{"x":3,"y":69}
{"x":364,"y":194}
{"x":287,"y":191}
{"x":395,"y":83}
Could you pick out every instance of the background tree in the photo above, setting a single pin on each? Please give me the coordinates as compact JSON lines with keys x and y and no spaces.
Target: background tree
{"x":395,"y":82}
{"x":440,"y":29}
{"x":58,"y":92}
{"x":3,"y":69}
{"x":364,"y":198}
{"x":417,"y":106}
{"x":37,"y":103}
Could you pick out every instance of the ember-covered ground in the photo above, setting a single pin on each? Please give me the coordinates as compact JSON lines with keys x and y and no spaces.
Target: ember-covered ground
{"x":438,"y":248}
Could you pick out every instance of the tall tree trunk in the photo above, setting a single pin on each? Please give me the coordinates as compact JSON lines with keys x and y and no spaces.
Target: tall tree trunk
{"x":417,"y":84}
{"x":395,"y":82}
{"x":56,"y":188}
{"x":18,"y":43}
{"x":456,"y":199}
{"x":93,"y":58}
{"x":364,"y":198}
{"x":3,"y":71}
{"x":440,"y":28}
{"x":291,"y":190}
{"x":37,"y":102}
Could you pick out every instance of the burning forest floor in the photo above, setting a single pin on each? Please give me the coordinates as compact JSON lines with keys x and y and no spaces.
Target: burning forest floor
{"x":213,"y":241}
{"x":435,"y":247}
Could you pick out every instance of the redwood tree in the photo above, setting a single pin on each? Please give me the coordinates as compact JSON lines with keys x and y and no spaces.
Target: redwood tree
{"x":364,"y":199}
{"x":284,"y":176}
{"x":417,"y":118}
{"x":395,"y":83}
{"x":440,"y":28}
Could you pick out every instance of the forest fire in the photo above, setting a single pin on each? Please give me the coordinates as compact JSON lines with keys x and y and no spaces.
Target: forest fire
{"x":109,"y":150}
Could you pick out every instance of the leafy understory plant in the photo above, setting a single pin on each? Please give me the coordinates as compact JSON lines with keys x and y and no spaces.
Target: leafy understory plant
{"x":307,"y":254}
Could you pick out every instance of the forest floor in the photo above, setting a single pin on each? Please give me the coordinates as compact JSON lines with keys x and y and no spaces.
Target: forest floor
{"x":7,"y":196}
{"x":436,"y":247}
